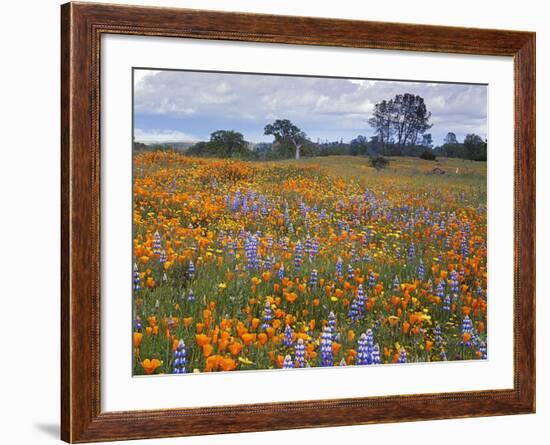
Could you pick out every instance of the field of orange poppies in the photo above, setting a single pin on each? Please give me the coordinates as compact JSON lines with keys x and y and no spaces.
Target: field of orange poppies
{"x":295,"y":264}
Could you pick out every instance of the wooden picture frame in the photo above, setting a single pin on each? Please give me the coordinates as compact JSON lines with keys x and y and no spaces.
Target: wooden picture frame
{"x":82,"y":26}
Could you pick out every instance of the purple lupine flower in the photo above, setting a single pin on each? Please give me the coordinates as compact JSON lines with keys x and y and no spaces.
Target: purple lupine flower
{"x":298,"y":256}
{"x":370,"y":345}
{"x":361,"y":301}
{"x":453,"y":283}
{"x":251,"y":252}
{"x":357,"y":307}
{"x":287,"y":339}
{"x":350,"y":272}
{"x":402,"y":356}
{"x":412,"y":251}
{"x":162,"y":258}
{"x":343,"y":362}
{"x":353,"y":313}
{"x":421,"y":271}
{"x":283,"y":243}
{"x":170,"y":323}
{"x":440,"y":289}
{"x":362,"y":356}
{"x":467,"y":328}
{"x":308,"y":246}
{"x":300,"y":353}
{"x":365,"y":240}
{"x":180,"y":358}
{"x":281,"y":272}
{"x":268,"y":315}
{"x":339,"y":264}
{"x":447,"y":303}
{"x":287,"y":363}
{"x":332,"y":323}
{"x":156,"y":243}
{"x":313,"y":280}
{"x":314,"y":249}
{"x":483,"y":350}
{"x":365,"y":348}
{"x":326,"y":347}
{"x":137,"y":280}
{"x":375,"y":354}
{"x":191,"y":296}
{"x":372,"y":279}
{"x":269,"y":262}
{"x":191,"y":270}
{"x":396,"y":284}
{"x":137,"y":324}
{"x":230,"y":247}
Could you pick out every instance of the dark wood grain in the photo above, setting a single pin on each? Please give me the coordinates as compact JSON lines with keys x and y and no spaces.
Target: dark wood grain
{"x":81,"y":28}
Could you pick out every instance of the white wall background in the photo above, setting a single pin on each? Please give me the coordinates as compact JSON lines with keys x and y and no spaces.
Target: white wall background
{"x":29,"y":218}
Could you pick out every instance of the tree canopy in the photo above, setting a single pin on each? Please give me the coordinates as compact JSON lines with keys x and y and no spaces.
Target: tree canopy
{"x":288,"y":136}
{"x":223,"y":143}
{"x":400,"y":120}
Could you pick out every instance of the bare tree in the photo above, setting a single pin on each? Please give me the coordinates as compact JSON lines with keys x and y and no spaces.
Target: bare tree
{"x":287,"y":135}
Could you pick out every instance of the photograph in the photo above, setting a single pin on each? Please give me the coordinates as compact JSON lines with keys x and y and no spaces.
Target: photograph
{"x":281,"y":220}
{"x":288,"y":222}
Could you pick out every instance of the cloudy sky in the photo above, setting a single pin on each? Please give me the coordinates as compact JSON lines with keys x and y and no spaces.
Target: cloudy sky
{"x":172,"y":106}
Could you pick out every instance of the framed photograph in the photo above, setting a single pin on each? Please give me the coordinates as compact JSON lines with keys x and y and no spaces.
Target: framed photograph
{"x":275,"y":222}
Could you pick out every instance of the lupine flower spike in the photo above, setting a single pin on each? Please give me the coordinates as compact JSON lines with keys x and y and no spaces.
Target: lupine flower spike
{"x":326,"y":347}
{"x":180,"y":358}
{"x":288,"y":364}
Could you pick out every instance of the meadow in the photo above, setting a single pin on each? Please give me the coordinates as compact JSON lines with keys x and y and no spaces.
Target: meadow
{"x":318,"y":262}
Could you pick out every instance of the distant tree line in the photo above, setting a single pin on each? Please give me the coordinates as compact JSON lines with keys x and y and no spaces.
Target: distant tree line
{"x":473,"y":147}
{"x":400,"y":129}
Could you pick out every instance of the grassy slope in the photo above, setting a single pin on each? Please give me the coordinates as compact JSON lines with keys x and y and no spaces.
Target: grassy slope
{"x":401,"y":167}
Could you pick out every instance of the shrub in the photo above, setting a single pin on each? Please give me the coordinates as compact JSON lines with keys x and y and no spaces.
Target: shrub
{"x":379,"y":162}
{"x":428,"y":155}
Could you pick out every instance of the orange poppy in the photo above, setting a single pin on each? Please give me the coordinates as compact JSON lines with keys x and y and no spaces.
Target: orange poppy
{"x":227,"y":364}
{"x":235,"y":348}
{"x":202,"y":339}
{"x":149,"y":366}
{"x":137,"y":339}
{"x":291,"y":297}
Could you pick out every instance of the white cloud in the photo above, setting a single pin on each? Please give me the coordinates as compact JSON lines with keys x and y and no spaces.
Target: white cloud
{"x":317,"y":105}
{"x":156,"y":135}
{"x":141,"y":75}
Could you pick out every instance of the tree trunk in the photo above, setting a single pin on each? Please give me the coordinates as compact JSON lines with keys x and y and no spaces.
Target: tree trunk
{"x":297,"y":155}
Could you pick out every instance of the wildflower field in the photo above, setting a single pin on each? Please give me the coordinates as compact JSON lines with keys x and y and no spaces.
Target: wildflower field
{"x":318,"y":262}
